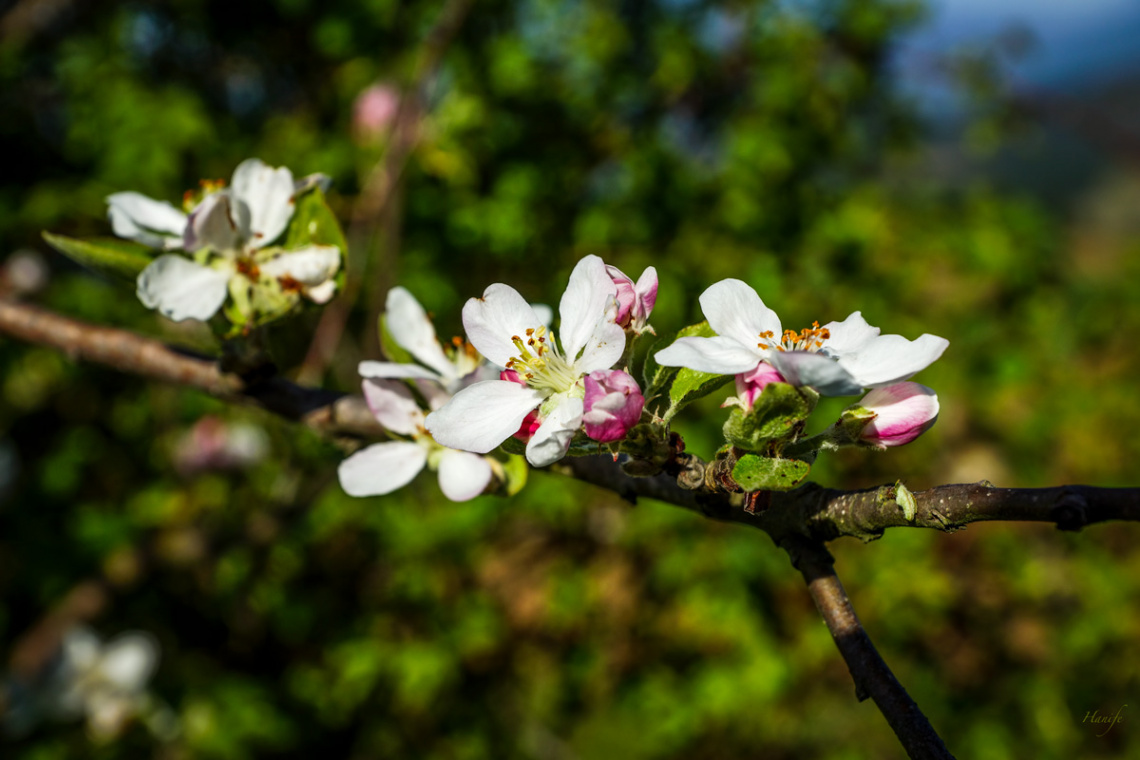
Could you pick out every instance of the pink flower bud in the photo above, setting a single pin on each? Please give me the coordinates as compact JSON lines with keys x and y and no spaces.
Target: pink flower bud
{"x":749,"y":385}
{"x":903,"y":412}
{"x":373,"y":112}
{"x":634,"y":301}
{"x":613,"y":404}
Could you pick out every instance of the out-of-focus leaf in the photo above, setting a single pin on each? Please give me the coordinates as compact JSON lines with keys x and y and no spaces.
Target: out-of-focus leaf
{"x":756,"y":473}
{"x":122,"y":259}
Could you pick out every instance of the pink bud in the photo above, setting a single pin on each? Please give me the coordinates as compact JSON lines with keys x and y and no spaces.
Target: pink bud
{"x":613,"y":404}
{"x":373,"y":112}
{"x":634,"y":301}
{"x":749,"y":385}
{"x":903,"y":412}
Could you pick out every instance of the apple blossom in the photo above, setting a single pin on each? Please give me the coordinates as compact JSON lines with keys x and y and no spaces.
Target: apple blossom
{"x":902,"y":412}
{"x":227,"y":233}
{"x":508,"y":331}
{"x":384,"y":467}
{"x":749,"y":385}
{"x":407,"y":322}
{"x":613,"y":404}
{"x":634,"y":301}
{"x":838,"y":359}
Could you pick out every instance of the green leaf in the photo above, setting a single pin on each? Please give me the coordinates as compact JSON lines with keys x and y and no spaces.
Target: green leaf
{"x":775,"y":417}
{"x":756,"y":473}
{"x":314,"y":223}
{"x":516,"y":470}
{"x":654,"y":377}
{"x":688,"y":385}
{"x":119,"y":258}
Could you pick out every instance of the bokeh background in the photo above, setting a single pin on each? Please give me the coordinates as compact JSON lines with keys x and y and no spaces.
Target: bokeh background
{"x":965,"y":170}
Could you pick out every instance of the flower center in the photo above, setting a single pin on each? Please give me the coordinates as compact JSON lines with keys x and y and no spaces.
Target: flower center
{"x":808,"y":339}
{"x":540,"y":365}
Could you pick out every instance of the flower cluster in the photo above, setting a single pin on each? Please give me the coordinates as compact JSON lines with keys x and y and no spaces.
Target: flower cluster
{"x":551,"y":387}
{"x":226,"y":237}
{"x":383,"y":467}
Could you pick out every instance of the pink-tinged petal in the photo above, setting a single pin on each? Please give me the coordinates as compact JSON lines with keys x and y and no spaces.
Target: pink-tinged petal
{"x":612,"y":404}
{"x":890,"y":358}
{"x":849,"y":336}
{"x":395,"y":371}
{"x":734,"y":310}
{"x":413,"y":331}
{"x":393,"y":406}
{"x":145,"y":220}
{"x":904,"y":411}
{"x":530,"y":425}
{"x":268,"y":193}
{"x":310,"y":266}
{"x":749,"y":385}
{"x":589,"y":295}
{"x":552,"y":439}
{"x":463,"y":475}
{"x":482,"y":416}
{"x":720,"y":355}
{"x":181,"y":289}
{"x":129,"y":660}
{"x":626,"y":295}
{"x":381,"y":468}
{"x":646,"y":294}
{"x":491,"y":322}
{"x":821,"y":372}
{"x":213,"y":224}
{"x":603,"y":349}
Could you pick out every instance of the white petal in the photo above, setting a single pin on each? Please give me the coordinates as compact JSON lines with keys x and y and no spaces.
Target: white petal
{"x":491,"y":322}
{"x":393,"y":370}
{"x":434,"y":394}
{"x":550,"y":442}
{"x":603,"y":349}
{"x":821,"y":372}
{"x":80,"y":648}
{"x":393,"y":405}
{"x":544,"y":313}
{"x":463,"y":475}
{"x":722,"y":355}
{"x":322,"y":293}
{"x":849,"y":336}
{"x":268,"y":193}
{"x":145,"y":220}
{"x":309,"y":266}
{"x":413,"y":331}
{"x":381,"y":468}
{"x":589,"y":294}
{"x":181,"y":289}
{"x":889,"y":359}
{"x":129,"y":660}
{"x":482,"y":416}
{"x":213,"y":224}
{"x":734,"y":310}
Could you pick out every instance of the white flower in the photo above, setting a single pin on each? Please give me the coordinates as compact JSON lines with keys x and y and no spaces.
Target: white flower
{"x":508,"y":331}
{"x":383,"y":467}
{"x":410,"y":327}
{"x":228,"y":231}
{"x":838,"y":359}
{"x":105,"y":682}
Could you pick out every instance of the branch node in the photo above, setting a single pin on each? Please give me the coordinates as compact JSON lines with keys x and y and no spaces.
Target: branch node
{"x":1070,"y":512}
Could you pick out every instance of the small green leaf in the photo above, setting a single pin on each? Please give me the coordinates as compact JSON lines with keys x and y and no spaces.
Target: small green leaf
{"x":513,"y":446}
{"x":314,"y":223}
{"x":690,"y":385}
{"x":775,"y":417}
{"x":516,"y":470}
{"x":756,"y":473}
{"x":654,"y":377}
{"x":120,"y":258}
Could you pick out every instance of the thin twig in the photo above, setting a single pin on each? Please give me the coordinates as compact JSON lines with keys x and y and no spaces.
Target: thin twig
{"x":381,"y":188}
{"x":873,"y":678}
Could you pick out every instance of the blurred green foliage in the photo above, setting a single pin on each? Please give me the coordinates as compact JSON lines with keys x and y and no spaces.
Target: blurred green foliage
{"x":761,"y":140}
